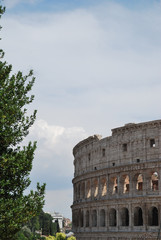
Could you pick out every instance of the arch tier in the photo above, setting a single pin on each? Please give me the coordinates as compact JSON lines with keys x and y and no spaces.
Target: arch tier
{"x":117,"y":184}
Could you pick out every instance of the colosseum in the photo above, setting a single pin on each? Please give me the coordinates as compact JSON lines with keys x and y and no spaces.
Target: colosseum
{"x":117,"y":184}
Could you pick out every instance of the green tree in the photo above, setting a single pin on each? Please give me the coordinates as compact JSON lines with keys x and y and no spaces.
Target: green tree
{"x":34,"y":224}
{"x":46,"y":224}
{"x":15,"y":161}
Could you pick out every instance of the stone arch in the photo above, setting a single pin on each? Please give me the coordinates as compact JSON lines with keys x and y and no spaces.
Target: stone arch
{"x":102,"y":218}
{"x":138,"y":216}
{"x":126,"y":184}
{"x":87,"y":218}
{"x":115,"y":185}
{"x":81,"y":218}
{"x":94,"y":218}
{"x":83,"y":190}
{"x":112,"y":217}
{"x":124,"y":217}
{"x":78,"y":191}
{"x":75,"y":219}
{"x":103,"y":186}
{"x":95,"y":187}
{"x":88,"y":189}
{"x":75,"y":192}
{"x":154,"y":181}
{"x":153,"y":216}
{"x":139,"y":182}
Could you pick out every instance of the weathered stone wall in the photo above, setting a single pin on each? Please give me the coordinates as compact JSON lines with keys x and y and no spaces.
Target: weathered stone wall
{"x":117,"y":184}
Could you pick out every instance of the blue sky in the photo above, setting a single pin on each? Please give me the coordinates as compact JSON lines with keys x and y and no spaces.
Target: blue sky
{"x":97,"y":67}
{"x":64,"y":5}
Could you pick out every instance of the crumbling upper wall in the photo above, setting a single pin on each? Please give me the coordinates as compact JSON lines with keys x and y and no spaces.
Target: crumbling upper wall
{"x":129,"y":144}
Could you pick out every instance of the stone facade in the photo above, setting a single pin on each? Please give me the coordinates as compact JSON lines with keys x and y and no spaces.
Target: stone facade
{"x":117,"y":184}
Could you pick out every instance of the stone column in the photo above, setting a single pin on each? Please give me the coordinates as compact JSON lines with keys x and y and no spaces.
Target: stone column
{"x":145,"y":216}
{"x":117,"y":218}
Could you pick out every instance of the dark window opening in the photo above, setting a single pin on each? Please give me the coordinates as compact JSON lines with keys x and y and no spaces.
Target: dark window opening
{"x":124,"y":146}
{"x":87,"y":219}
{"x":152,"y":143}
{"x":153,"y":216}
{"x":127,"y":187}
{"x":89,"y":156}
{"x":103,"y":152}
{"x":112,"y":218}
{"x":138,"y":217}
{"x":115,"y":188}
{"x":113,"y":164}
{"x":94,"y":218}
{"x":155,"y":185}
{"x":81,"y":219}
{"x":102,"y":218}
{"x":124,"y":217}
{"x":154,"y":181}
{"x":140,"y":186}
{"x":138,"y":160}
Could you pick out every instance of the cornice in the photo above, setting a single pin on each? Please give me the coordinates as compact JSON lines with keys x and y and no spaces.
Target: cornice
{"x":118,"y":169}
{"x":135,"y":126}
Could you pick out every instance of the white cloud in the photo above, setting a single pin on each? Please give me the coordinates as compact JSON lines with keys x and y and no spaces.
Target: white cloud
{"x":58,"y":139}
{"x":53,"y":163}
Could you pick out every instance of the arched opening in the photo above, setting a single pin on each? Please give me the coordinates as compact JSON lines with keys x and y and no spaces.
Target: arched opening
{"x":153,"y":216}
{"x":124,"y":217}
{"x":126,"y":184}
{"x":94,"y":218}
{"x":75,"y":219}
{"x":154,"y":181}
{"x":102,"y":218}
{"x":103,"y":187}
{"x":139,"y":184}
{"x":138,"y":217}
{"x":82,"y":190}
{"x":95,"y":187}
{"x":112,"y":217}
{"x":115,"y":186}
{"x":81,"y":219}
{"x":78,"y":191}
{"x":87,"y":218}
{"x":88,"y":189}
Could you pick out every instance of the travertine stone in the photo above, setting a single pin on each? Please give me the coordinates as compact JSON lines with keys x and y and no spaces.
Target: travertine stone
{"x":117,"y":184}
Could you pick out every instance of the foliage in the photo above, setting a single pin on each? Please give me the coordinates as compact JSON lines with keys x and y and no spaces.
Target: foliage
{"x":24,"y":234}
{"x":34,"y":224}
{"x":72,"y":238}
{"x":50,"y":238}
{"x":20,"y":236}
{"x":46,"y":224}
{"x":60,"y":236}
{"x":15,"y":161}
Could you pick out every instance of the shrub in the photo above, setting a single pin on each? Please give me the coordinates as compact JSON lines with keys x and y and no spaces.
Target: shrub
{"x":60,"y":236}
{"x":50,"y":238}
{"x":71,"y":238}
